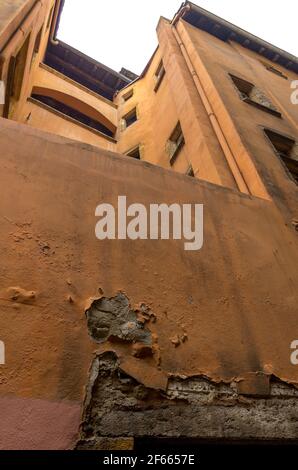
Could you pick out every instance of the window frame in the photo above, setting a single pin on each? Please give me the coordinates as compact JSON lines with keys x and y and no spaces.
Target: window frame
{"x":280,"y":154}
{"x":246,"y":98}
{"x":128,"y":95}
{"x":190,"y":172}
{"x":179,"y":143}
{"x":37,"y":44}
{"x":130,"y":152}
{"x":133,"y":111}
{"x":274,"y":70}
{"x":159,"y":75}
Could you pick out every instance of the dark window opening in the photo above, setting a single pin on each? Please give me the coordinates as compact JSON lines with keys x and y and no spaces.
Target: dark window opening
{"x":175,"y":143}
{"x":130,"y":118}
{"x":159,"y":74}
{"x":190,"y":171}
{"x":135,"y":153}
{"x":37,"y":44}
{"x":73,"y":113}
{"x":272,"y":69}
{"x":287,"y":150}
{"x":38,"y":41}
{"x":250,"y":94}
{"x":16,"y":69}
{"x":128,"y":95}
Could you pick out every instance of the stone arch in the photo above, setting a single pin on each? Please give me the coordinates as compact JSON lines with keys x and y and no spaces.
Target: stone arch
{"x":75,"y":104}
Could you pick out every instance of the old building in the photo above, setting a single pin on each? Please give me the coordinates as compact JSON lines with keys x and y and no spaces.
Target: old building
{"x":211,"y":120}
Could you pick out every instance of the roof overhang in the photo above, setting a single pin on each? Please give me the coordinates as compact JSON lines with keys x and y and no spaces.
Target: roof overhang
{"x":84,"y":70}
{"x":81,"y":68}
{"x":226,"y":31}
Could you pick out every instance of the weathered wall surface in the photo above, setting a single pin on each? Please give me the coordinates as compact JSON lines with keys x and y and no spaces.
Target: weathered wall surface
{"x":242,"y":123}
{"x":143,"y":338}
{"x":10,"y":12}
{"x":118,"y":405}
{"x":227,"y":313}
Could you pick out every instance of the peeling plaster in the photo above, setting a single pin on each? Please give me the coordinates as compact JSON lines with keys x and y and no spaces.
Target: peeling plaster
{"x":117,"y":405}
{"x":113,"y":320}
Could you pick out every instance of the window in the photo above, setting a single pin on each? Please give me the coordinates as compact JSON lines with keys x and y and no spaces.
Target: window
{"x":274,"y":70}
{"x":287,"y":150}
{"x":159,"y":74}
{"x":175,"y":143}
{"x":129,"y":118}
{"x":128,"y":95}
{"x":253,"y":96}
{"x":37,"y":44}
{"x":38,"y":41}
{"x":190,"y":171}
{"x":135,"y":153}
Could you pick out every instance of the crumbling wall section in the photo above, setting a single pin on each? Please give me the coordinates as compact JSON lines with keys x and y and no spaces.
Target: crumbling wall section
{"x":118,"y":406}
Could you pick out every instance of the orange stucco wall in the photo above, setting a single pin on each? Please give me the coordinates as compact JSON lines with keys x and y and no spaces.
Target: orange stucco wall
{"x":24,"y":26}
{"x":157,"y":118}
{"x":243,"y":124}
{"x":235,"y":300}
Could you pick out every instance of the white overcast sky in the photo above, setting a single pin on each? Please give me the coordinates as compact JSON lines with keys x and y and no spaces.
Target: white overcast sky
{"x":122,"y":33}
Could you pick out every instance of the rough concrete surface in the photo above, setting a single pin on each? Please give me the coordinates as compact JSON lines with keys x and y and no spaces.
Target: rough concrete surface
{"x":117,"y":405}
